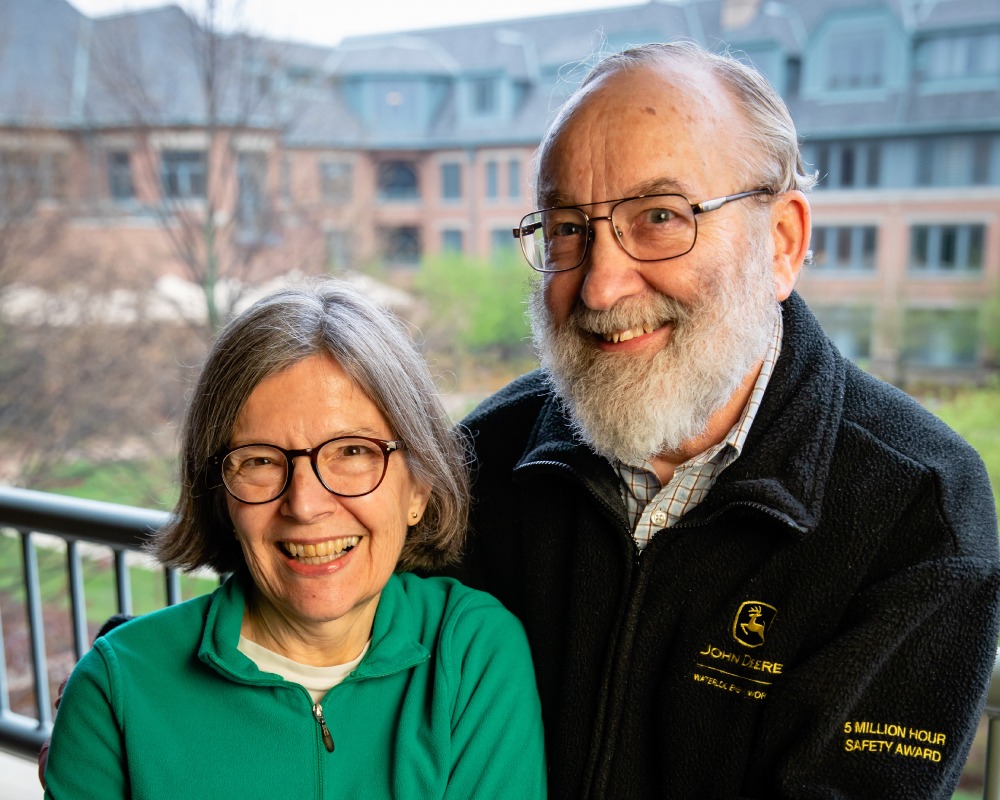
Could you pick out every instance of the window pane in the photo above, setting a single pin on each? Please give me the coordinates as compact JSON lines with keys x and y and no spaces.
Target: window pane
{"x":974,"y":260}
{"x":949,"y":246}
{"x":120,"y":176}
{"x":873,"y":169}
{"x":868,"y":238}
{"x":514,"y":180}
{"x":918,"y":247}
{"x":844,"y":247}
{"x":491,"y":179}
{"x":819,"y":247}
{"x":847,"y":166}
{"x":397,"y":180}
{"x":451,"y":181}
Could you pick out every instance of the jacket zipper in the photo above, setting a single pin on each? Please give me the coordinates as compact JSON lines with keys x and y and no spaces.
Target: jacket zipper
{"x":327,"y":738}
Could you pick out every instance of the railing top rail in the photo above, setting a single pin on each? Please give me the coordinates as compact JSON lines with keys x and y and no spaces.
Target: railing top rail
{"x":74,"y":518}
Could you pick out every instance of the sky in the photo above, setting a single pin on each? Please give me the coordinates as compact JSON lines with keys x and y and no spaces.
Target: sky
{"x":326,"y":22}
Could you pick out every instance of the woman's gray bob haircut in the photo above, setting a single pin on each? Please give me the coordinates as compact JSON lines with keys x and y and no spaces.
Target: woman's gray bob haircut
{"x":374,"y":349}
{"x":770,"y":143}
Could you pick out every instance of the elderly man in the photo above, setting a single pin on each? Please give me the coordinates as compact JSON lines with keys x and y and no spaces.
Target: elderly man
{"x":746,"y":568}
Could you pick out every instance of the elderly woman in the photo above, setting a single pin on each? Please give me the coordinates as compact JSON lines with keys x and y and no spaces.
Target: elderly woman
{"x":318,"y":467}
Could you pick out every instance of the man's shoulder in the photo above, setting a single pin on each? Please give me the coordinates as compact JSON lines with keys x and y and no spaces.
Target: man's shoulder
{"x":897,"y":421}
{"x":521,"y":398}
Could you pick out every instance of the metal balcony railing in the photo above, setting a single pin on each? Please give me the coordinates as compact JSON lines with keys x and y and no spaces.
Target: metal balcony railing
{"x":82,"y":524}
{"x":122,"y":530}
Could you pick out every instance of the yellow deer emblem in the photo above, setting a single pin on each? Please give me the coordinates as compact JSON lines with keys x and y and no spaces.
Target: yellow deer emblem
{"x":752,"y":622}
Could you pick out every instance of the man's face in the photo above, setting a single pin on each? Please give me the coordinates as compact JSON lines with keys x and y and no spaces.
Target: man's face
{"x":645,"y":353}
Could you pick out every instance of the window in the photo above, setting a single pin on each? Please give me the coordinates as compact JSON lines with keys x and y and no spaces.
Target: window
{"x":850,"y":329}
{"x":514,"y":179}
{"x":849,"y":165}
{"x":484,"y":96}
{"x":854,"y":60}
{"x":954,"y":161}
{"x":492,"y":188}
{"x":183,"y":174}
{"x":844,"y":247}
{"x":940,"y":337}
{"x":452,"y":241}
{"x":947,"y":248}
{"x":397,"y":180}
{"x":967,"y":55}
{"x":120,"y":176}
{"x":336,"y":180}
{"x":400,"y":246}
{"x":451,"y":181}
{"x":251,"y":174}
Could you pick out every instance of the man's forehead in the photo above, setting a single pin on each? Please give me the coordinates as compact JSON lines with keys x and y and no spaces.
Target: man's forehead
{"x":600,"y":129}
{"x":551,"y":195}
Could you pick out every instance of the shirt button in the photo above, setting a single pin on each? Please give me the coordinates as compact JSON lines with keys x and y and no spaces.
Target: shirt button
{"x":659,"y":517}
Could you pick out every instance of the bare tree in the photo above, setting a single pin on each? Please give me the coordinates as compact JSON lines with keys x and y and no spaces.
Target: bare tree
{"x":202,"y":112}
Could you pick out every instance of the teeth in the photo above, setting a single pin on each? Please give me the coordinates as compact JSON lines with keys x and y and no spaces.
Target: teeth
{"x":624,"y":336}
{"x":320,"y":552}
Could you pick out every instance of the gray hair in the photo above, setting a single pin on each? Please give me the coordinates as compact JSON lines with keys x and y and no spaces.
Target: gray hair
{"x":375,"y":350}
{"x":770,"y":142}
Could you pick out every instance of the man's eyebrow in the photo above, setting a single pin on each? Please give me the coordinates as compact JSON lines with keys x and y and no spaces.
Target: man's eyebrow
{"x":661,"y":186}
{"x":553,"y":198}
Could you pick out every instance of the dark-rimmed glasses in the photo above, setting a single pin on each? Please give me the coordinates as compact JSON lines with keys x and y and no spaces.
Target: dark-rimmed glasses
{"x":654,"y":227}
{"x":347,"y":466}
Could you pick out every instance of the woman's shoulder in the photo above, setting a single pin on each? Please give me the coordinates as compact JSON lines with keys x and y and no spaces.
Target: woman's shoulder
{"x":447,"y":594}
{"x":455,"y":611}
{"x":146,"y":635}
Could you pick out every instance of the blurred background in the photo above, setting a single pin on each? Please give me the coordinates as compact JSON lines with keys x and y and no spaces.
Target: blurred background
{"x":162,"y":166}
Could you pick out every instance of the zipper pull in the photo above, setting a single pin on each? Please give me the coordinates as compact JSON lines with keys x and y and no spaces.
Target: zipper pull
{"x":327,"y":738}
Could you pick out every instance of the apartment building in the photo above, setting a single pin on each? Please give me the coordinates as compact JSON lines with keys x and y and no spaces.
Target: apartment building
{"x":389,"y":149}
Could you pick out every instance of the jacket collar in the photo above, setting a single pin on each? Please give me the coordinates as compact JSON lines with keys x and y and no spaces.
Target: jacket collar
{"x":395,"y":645}
{"x":786,"y":458}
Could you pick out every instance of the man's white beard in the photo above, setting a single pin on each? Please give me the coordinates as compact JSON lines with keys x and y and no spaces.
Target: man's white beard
{"x":632,"y":407}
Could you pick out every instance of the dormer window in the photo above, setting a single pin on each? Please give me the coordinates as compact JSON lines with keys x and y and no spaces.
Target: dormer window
{"x":484,"y":96}
{"x":855,"y":60}
{"x":966,"y":55}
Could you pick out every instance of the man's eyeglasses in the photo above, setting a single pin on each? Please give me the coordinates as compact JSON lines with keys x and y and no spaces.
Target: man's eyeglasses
{"x":348,"y":466}
{"x":653,"y":227}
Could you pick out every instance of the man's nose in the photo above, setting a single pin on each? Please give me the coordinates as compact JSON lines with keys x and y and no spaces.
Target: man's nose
{"x":610,"y":273}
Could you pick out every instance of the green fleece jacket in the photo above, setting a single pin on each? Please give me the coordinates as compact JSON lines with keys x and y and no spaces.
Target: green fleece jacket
{"x":443,"y":705}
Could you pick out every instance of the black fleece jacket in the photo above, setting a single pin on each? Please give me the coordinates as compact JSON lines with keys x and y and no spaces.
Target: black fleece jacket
{"x":823,"y":625}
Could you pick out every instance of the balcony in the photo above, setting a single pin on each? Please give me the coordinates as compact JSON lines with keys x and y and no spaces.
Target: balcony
{"x":38,"y":525}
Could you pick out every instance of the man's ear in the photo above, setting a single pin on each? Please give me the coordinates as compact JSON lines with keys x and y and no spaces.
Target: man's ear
{"x":790,"y":227}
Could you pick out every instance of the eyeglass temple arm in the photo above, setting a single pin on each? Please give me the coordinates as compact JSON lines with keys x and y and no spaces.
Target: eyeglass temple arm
{"x":527,"y":230}
{"x":711,"y":205}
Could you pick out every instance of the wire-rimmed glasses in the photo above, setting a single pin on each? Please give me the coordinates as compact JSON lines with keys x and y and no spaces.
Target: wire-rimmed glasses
{"x":654,"y":227}
{"x":347,"y":466}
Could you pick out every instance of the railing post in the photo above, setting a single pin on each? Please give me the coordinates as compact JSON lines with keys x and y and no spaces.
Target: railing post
{"x":77,"y":600}
{"x":36,"y":628}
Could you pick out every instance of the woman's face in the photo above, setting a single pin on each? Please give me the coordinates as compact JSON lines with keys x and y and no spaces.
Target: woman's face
{"x":357,"y":539}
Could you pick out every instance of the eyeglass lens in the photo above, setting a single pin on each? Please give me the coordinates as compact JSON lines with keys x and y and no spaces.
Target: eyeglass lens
{"x":349,"y":467}
{"x":649,"y":228}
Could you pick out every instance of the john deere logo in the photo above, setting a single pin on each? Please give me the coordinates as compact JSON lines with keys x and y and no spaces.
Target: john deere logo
{"x":752,"y":623}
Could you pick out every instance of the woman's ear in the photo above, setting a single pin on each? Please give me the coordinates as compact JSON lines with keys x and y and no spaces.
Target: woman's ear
{"x":790,"y":228}
{"x":418,"y":502}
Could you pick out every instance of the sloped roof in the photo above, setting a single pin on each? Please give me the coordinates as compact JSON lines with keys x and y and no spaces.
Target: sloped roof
{"x":59,"y":68}
{"x":38,"y":46}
